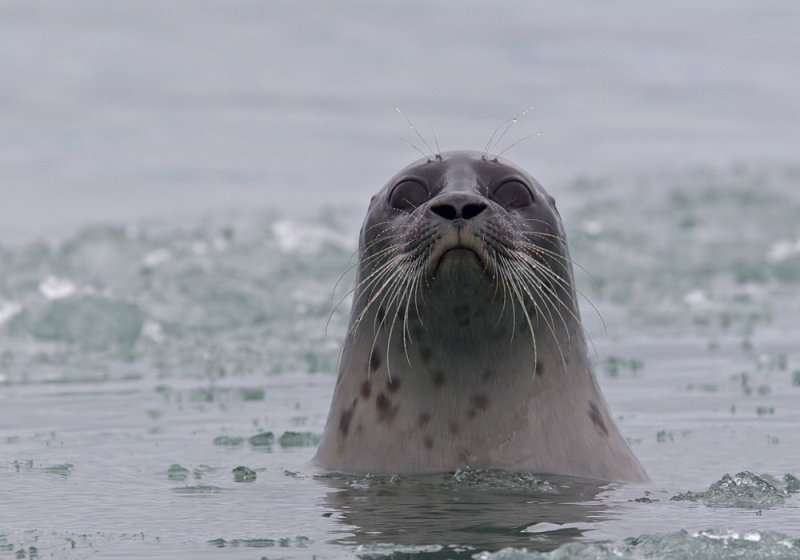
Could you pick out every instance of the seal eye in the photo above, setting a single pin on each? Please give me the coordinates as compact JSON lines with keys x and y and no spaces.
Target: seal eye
{"x":513,"y":194}
{"x":408,"y":194}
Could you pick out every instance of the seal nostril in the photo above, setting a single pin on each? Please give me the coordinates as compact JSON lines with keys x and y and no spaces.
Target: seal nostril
{"x":472,"y":210}
{"x":451,"y":212}
{"x":445,"y":211}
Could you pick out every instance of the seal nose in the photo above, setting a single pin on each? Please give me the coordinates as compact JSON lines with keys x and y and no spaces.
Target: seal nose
{"x":453,"y":206}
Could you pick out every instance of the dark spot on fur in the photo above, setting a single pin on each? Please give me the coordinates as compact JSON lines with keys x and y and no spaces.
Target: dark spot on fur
{"x":382,"y":403}
{"x":453,"y":427}
{"x":381,"y":314}
{"x":427,"y":442}
{"x":424,"y":418}
{"x":393,"y":384}
{"x":597,"y":419}
{"x":385,"y":409}
{"x":366,"y":389}
{"x":463,"y":322}
{"x":344,"y":421}
{"x":487,"y":375}
{"x":539,"y":368}
{"x":481,"y":402}
{"x":374,"y":360}
{"x":438,"y":378}
{"x":425,"y":353}
{"x":471,"y":413}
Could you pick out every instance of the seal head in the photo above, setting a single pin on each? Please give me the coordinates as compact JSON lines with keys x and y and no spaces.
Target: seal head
{"x":465,"y":345}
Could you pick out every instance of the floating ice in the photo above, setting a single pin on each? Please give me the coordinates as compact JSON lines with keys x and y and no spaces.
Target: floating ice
{"x":9,"y":310}
{"x":54,"y":288}
{"x":153,"y":331}
{"x":745,"y":490}
{"x":294,"y":237}
{"x":723,"y":544}
{"x":697,"y":299}
{"x":156,"y":258}
{"x":298,"y":439}
{"x":783,"y":250}
{"x":547,"y":527}
{"x":383,"y":550}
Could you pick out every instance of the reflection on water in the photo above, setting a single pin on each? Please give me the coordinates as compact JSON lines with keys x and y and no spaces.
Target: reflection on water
{"x":419,"y":516}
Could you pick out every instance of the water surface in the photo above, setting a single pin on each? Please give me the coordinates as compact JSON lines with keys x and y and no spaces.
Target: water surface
{"x":182,"y":188}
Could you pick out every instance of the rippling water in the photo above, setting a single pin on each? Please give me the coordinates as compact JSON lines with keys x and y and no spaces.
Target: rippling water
{"x":179,"y":203}
{"x":164,"y":389}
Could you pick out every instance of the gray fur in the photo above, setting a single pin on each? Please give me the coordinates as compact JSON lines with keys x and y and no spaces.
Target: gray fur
{"x":447,"y":365}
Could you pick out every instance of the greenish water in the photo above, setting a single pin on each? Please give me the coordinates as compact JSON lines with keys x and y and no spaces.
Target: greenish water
{"x":181,"y":187}
{"x":163,"y":389}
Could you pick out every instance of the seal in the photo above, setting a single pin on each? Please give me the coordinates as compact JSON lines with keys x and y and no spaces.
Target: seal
{"x":465,"y":345}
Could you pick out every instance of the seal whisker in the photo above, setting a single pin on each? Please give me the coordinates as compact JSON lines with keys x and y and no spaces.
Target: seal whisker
{"x":566,"y":260}
{"x":569,"y":286}
{"x":394,"y":308}
{"x":533,"y":247}
{"x":516,"y":292}
{"x":389,"y":290}
{"x":414,"y":146}
{"x":532,"y":270}
{"x":400,"y":291}
{"x":541,"y":288}
{"x":505,"y":126}
{"x":429,"y":156}
{"x":538,"y":233}
{"x":450,"y":260}
{"x":517,"y":143}
{"x":414,"y":274}
{"x":544,"y":281}
{"x":511,"y":123}
{"x":335,"y":307}
{"x":536,"y":285}
{"x":384,"y":227}
{"x":506,"y":295}
{"x":499,"y":284}
{"x":436,"y":142}
{"x":385,"y":266}
{"x":417,"y":282}
{"x":386,"y":270}
{"x":541,"y":266}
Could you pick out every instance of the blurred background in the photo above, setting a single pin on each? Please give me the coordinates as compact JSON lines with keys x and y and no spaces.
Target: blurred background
{"x":181,"y":187}
{"x":116,"y":112}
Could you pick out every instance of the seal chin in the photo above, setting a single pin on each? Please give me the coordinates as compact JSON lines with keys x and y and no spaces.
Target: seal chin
{"x":460,"y":247}
{"x":464,"y":344}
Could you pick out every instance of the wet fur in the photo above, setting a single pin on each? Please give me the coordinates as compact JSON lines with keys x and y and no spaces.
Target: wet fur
{"x":475,"y":357}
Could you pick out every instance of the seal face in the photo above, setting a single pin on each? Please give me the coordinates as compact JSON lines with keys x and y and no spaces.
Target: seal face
{"x":465,"y":345}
